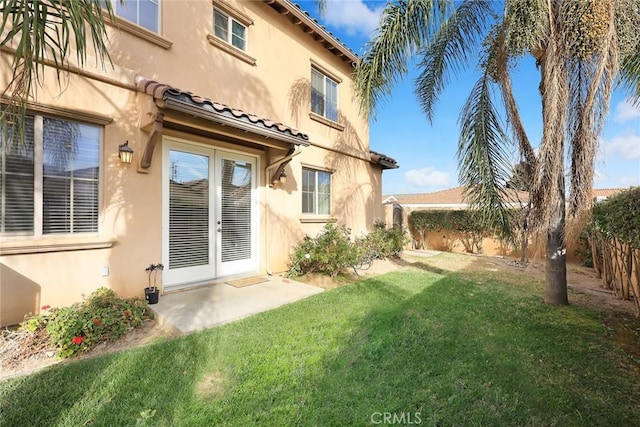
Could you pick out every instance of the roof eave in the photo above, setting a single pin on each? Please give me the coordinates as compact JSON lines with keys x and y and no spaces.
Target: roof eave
{"x":316,"y":28}
{"x":198,"y":111}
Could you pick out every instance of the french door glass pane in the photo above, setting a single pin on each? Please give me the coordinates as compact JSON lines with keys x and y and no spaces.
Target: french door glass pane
{"x":188,"y":209}
{"x":236,"y":191}
{"x":308,"y":191}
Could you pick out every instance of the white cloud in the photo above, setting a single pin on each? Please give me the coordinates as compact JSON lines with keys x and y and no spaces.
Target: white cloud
{"x":427,"y":178}
{"x":626,"y":111}
{"x":354,"y":16}
{"x":626,"y":145}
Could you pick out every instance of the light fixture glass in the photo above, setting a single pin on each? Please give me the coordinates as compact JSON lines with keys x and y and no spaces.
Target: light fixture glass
{"x":283,"y":177}
{"x":125,"y":153}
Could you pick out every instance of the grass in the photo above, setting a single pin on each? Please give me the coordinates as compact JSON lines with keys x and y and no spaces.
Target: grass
{"x":429,"y":345}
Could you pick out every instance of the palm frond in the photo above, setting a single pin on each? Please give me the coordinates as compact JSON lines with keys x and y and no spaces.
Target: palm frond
{"x":455,"y":42}
{"x":590,"y":87}
{"x":484,"y":162}
{"x":42,"y":32}
{"x":404,"y":27}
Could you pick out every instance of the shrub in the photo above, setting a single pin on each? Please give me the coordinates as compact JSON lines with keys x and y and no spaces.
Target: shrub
{"x":332,"y":249}
{"x":384,"y":242}
{"x":103,"y":317}
{"x":328,"y":253}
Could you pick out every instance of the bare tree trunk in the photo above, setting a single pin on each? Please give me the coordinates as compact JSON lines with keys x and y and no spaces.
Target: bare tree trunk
{"x":556,"y":268}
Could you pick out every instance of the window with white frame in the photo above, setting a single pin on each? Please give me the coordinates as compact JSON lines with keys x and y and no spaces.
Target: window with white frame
{"x":316,"y":192}
{"x":228,"y":29}
{"x":49,"y":182}
{"x":145,"y":13}
{"x":324,"y":95}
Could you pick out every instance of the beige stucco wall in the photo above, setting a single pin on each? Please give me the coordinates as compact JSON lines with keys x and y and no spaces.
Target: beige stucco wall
{"x":130,"y":224}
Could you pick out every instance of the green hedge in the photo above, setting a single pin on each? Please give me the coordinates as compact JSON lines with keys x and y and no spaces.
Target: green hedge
{"x":619,"y":217}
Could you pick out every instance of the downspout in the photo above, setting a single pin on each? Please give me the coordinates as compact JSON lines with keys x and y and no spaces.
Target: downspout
{"x":280,"y":165}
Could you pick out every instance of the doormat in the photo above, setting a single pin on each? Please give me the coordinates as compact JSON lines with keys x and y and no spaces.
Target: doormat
{"x":247,"y":281}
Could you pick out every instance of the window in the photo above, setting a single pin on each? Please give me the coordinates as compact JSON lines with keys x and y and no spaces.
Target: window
{"x":316,"y":192}
{"x":145,"y":13}
{"x":229,"y":30}
{"x":324,"y":95}
{"x":49,"y":183}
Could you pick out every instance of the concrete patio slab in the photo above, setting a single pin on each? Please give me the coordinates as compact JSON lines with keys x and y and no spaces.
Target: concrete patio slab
{"x":208,"y":306}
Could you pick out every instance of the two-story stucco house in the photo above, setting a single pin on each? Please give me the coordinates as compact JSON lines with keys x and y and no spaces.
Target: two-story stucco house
{"x":245,"y":137}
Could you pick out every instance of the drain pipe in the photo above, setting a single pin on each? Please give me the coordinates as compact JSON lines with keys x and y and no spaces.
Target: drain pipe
{"x":280,"y":164}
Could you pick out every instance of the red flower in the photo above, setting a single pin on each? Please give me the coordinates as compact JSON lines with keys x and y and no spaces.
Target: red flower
{"x":127,"y":312}
{"x":96,"y":321}
{"x":77,"y":340}
{"x":46,"y":307}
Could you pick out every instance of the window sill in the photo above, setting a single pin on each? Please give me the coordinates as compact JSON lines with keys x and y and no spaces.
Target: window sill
{"x":232,"y":50}
{"x":325,"y":121}
{"x":62,"y":244}
{"x":138,"y":31}
{"x":319,"y":219}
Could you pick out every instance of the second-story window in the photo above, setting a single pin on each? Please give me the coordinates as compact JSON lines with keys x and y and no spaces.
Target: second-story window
{"x":145,"y":13}
{"x":324,"y":95}
{"x":229,"y":30}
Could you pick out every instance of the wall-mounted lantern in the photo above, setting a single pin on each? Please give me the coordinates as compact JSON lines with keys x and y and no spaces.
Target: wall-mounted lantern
{"x":125,"y":153}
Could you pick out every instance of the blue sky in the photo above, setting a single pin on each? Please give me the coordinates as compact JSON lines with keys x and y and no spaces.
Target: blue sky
{"x":426,"y":152}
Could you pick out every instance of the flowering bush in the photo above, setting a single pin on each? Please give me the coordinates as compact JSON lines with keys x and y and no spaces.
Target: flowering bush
{"x":103,"y":317}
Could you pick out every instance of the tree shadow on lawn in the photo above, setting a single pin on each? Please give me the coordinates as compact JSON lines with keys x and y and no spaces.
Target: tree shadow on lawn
{"x":126,"y":388}
{"x":468,"y":355}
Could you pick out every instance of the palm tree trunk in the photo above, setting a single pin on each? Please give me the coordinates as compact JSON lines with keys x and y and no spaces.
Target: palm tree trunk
{"x":556,"y":268}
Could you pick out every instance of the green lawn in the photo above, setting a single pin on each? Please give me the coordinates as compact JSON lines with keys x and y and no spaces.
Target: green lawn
{"x":428,"y":346}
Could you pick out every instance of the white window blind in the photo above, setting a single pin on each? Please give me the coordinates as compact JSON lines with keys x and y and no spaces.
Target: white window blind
{"x":324,"y":95}
{"x":17,"y":179}
{"x":188,"y":209}
{"x":229,"y":30}
{"x":236,"y":188}
{"x":316,"y":192}
{"x":71,"y":156}
{"x":58,"y":164}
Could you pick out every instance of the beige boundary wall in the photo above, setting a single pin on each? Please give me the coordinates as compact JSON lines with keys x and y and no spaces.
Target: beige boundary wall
{"x":62,"y":269}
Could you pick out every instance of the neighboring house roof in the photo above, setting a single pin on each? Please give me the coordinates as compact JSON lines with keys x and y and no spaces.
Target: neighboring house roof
{"x":310,"y":26}
{"x":602,"y":193}
{"x":180,"y":100}
{"x":383,"y":160}
{"x":452,"y":197}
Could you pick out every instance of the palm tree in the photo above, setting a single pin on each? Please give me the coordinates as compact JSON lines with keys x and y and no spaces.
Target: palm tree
{"x":580,"y":47}
{"x":44,"y":34}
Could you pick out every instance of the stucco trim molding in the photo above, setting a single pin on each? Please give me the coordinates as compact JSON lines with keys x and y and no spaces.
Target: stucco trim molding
{"x":318,"y":118}
{"x":31,"y":247}
{"x":231,"y":50}
{"x":317,"y":219}
{"x":138,"y":31}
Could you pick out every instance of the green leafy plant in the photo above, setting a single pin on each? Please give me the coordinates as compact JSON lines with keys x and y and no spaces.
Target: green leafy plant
{"x":328,"y":253}
{"x":103,"y":317}
{"x":333,"y":250}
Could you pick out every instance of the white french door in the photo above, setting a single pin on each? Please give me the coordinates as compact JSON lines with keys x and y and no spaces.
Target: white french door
{"x":209,"y":214}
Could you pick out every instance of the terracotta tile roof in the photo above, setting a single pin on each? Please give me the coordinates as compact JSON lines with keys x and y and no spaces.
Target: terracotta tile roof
{"x":603,"y":193}
{"x":454,"y":196}
{"x":383,"y":160}
{"x":163,"y":92}
{"x":451,"y":196}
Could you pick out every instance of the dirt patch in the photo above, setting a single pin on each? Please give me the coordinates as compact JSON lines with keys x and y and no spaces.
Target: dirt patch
{"x":22,"y":353}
